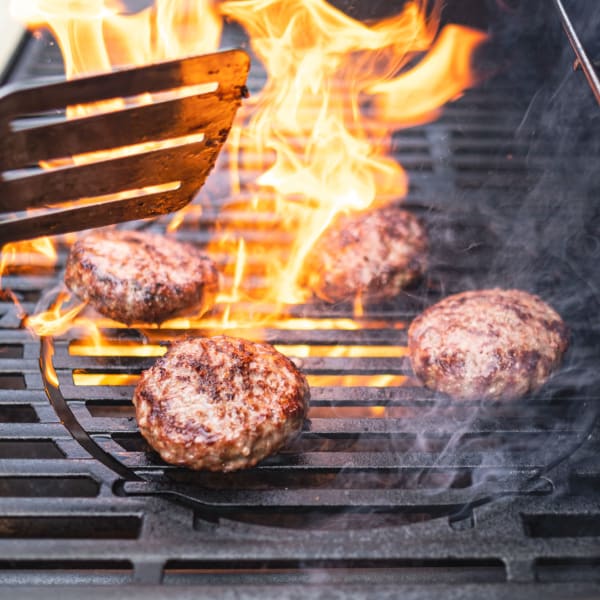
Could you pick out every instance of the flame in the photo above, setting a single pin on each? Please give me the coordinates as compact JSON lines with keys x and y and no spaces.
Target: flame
{"x":49,"y":370}
{"x":65,"y":315}
{"x":55,"y":321}
{"x":318,"y":153}
{"x":317,"y":136}
{"x":91,"y":347}
{"x":440,"y":77}
{"x":304,"y":351}
{"x":104,"y":348}
{"x":341,"y":351}
{"x":96,"y":36}
{"x":358,"y":412}
{"x":322,"y":161}
{"x":357,"y":380}
{"x":234,"y":295}
{"x":25,"y":257}
{"x":109,"y":379}
{"x":80,"y":378}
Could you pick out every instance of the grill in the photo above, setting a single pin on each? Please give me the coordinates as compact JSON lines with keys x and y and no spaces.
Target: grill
{"x":389,"y":486}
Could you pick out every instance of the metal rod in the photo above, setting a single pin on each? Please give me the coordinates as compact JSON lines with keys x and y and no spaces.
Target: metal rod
{"x":582,"y":57}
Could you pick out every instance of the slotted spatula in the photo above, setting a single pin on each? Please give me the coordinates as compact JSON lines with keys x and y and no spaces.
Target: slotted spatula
{"x":179,"y":138}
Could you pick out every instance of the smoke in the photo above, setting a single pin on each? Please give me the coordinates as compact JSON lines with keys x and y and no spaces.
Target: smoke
{"x":538,"y":229}
{"x":518,"y":211}
{"x":554,"y":225}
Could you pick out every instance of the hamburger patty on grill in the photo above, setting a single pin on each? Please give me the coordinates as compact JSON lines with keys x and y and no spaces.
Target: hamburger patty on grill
{"x":487,"y":344}
{"x":131,"y":276}
{"x":373,"y":254}
{"x":220,"y":403}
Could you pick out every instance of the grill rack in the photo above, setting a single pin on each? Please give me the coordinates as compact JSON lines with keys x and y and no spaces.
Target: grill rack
{"x":427,"y":452}
{"x":58,"y":502}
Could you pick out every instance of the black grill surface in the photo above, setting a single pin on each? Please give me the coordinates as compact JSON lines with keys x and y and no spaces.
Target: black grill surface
{"x":421,"y":496}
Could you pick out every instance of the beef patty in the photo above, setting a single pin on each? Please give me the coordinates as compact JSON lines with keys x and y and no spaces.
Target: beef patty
{"x":140,"y":277}
{"x":373,"y":254}
{"x":220,"y":403}
{"x":487,"y":344}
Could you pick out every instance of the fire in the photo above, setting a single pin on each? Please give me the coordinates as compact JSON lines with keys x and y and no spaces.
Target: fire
{"x":106,"y":348}
{"x":440,"y":77}
{"x":50,"y":371}
{"x":80,"y":378}
{"x":25,"y":257}
{"x":318,"y":152}
{"x":97,"y":35}
{"x":234,"y":295}
{"x":317,"y":136}
{"x":91,"y":347}
{"x":57,"y":320}
{"x":22,"y":256}
{"x":344,"y":351}
{"x":356,"y":380}
{"x":313,"y":380}
{"x":311,"y":139}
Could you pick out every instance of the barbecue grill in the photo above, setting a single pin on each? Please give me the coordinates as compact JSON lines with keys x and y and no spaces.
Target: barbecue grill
{"x":389,"y":488}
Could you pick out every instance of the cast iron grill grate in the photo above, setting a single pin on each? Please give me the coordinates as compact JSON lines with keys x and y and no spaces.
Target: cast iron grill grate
{"x":418,"y":457}
{"x":398,"y":449}
{"x":395,"y":448}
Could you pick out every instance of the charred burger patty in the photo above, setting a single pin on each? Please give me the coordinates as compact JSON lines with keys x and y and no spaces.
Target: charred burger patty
{"x":131,"y":276}
{"x":374,"y":254}
{"x":487,"y":344}
{"x":220,"y":403}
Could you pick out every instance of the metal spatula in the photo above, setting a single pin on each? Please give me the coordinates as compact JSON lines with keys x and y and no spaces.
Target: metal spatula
{"x":179,"y":139}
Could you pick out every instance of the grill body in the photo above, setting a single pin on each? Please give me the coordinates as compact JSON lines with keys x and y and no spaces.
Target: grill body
{"x":420,"y":497}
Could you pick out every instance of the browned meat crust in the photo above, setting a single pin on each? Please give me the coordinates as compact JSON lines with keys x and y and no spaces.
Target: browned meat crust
{"x":487,"y":344}
{"x":140,"y":277}
{"x":220,"y":403}
{"x":373,"y":254}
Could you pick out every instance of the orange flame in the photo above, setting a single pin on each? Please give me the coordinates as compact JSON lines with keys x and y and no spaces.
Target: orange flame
{"x":315,"y":148}
{"x":95,"y":35}
{"x":105,"y":348}
{"x":317,"y":153}
{"x":440,"y":77}
{"x":55,"y":321}
{"x":25,"y":257}
{"x":307,"y":134}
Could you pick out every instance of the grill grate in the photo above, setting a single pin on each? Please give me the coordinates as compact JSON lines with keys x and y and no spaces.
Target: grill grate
{"x":420,"y":454}
{"x":352,"y":494}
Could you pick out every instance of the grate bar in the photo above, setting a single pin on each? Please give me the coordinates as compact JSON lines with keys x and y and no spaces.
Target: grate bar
{"x":298,"y":498}
{"x":359,"y":461}
{"x":313,"y":337}
{"x":410,"y":424}
{"x":311,"y":365}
